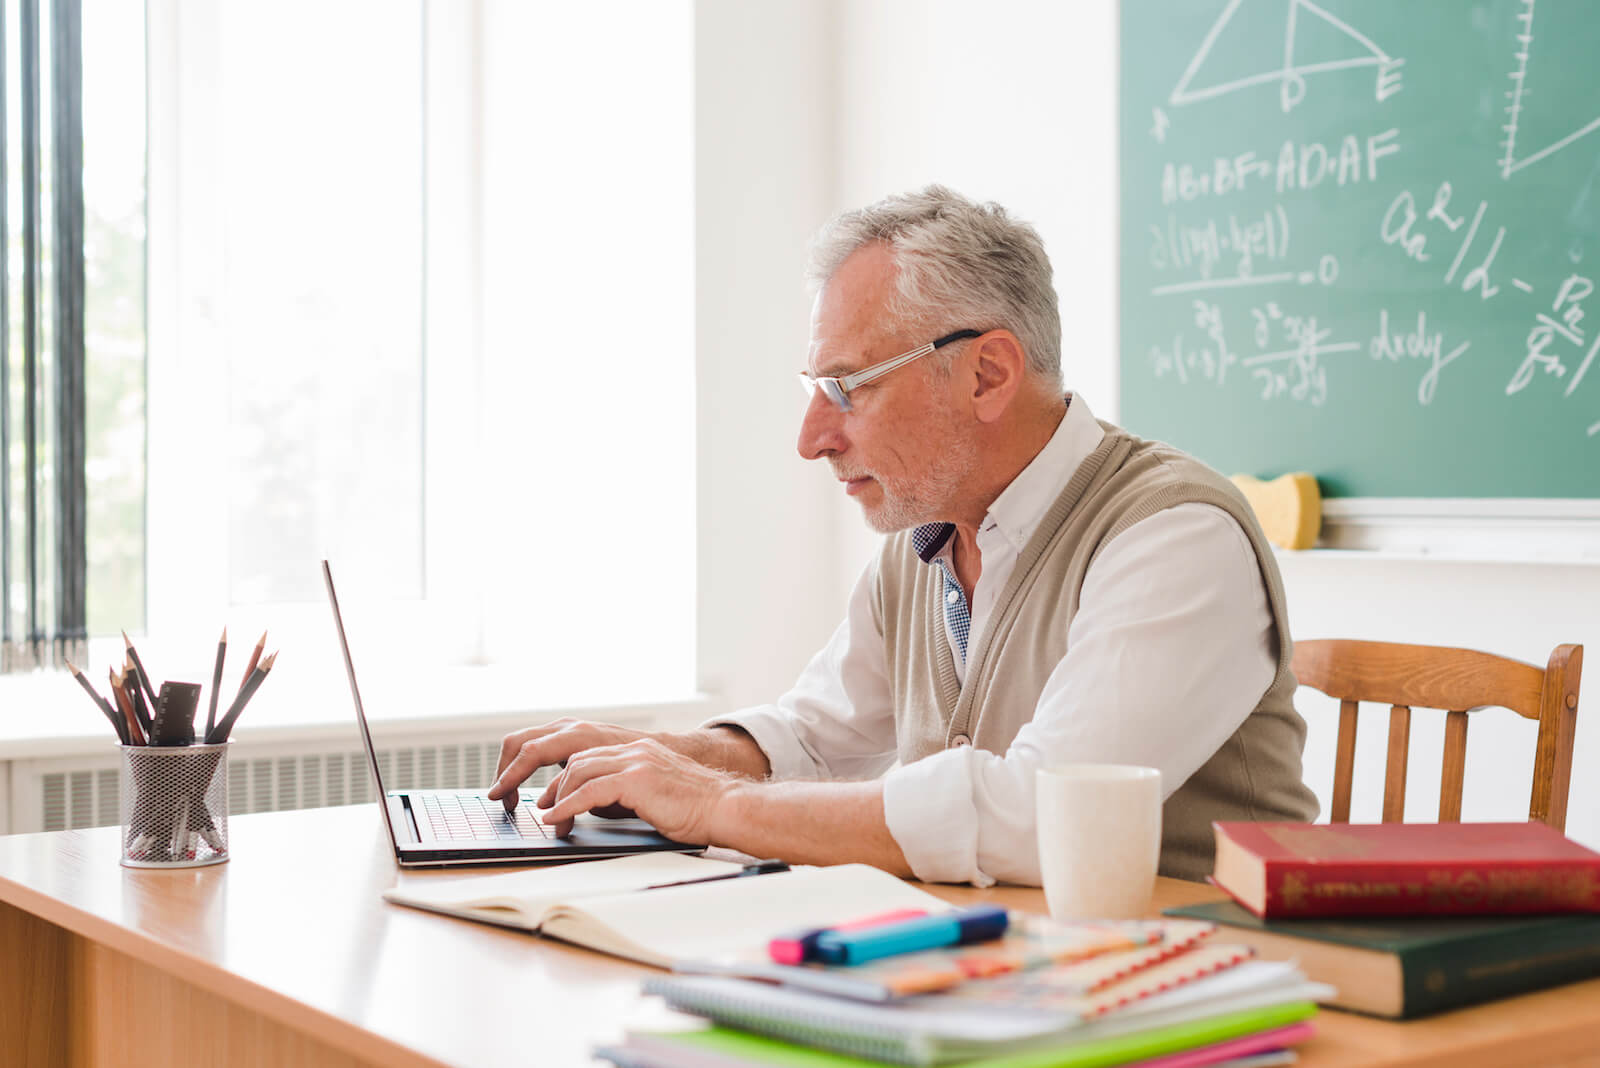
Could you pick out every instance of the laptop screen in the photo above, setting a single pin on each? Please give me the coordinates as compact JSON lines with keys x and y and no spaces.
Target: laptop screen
{"x":361,"y":715}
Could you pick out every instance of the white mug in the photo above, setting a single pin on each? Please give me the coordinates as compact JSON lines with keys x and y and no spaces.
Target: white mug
{"x":1099,"y":828}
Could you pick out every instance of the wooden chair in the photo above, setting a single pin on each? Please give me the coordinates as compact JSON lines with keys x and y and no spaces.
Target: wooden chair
{"x":1455,"y":681}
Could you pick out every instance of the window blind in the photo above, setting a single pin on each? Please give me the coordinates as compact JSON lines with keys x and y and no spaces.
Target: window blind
{"x":42,"y":480}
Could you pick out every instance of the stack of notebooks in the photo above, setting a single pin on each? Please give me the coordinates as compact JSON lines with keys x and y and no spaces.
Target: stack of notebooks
{"x":1167,"y":993}
{"x":1157,"y":994}
{"x":1406,"y":919}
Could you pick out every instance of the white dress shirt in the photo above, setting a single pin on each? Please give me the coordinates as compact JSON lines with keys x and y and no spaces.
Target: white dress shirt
{"x":1170,"y":650}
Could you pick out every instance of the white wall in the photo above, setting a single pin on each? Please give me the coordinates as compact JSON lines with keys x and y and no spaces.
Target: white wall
{"x":1004,"y":101}
{"x":763,"y":114}
{"x":1012,"y":101}
{"x":1523,"y":610}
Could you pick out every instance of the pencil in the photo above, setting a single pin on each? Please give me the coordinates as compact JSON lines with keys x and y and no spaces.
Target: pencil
{"x":119,"y":687}
{"x":136,"y":697}
{"x":224,"y":725}
{"x":250,"y":665}
{"x":88,"y":687}
{"x":216,"y":679}
{"x":121,"y":722}
{"x":100,"y":702}
{"x":138,"y":666}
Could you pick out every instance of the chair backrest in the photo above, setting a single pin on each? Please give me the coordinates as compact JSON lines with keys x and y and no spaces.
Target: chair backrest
{"x":1455,"y":681}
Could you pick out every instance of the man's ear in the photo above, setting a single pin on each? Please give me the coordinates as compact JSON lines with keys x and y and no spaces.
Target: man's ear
{"x":998,"y":367}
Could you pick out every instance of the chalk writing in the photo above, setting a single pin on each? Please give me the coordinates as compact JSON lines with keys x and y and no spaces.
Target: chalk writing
{"x":1302,"y":165}
{"x":1402,"y":226}
{"x":1258,"y":229}
{"x":1206,"y":243}
{"x":1563,"y":323}
{"x":1418,"y":343}
{"x":1517,"y":95}
{"x":1290,"y":76}
{"x":1206,"y":362}
{"x":1298,"y":371}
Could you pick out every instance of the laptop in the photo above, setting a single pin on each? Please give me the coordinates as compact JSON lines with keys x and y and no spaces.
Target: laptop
{"x":443,"y":828}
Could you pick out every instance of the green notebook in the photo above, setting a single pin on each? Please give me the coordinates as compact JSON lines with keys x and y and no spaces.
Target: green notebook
{"x":935,"y":1031}
{"x":721,"y":1045}
{"x":1401,"y":967}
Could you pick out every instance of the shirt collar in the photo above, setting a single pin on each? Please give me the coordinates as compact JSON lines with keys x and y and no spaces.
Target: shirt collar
{"x":1023,"y":503}
{"x":929,"y":538}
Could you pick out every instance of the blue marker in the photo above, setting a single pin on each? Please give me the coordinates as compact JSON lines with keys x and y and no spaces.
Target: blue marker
{"x":928,"y":932}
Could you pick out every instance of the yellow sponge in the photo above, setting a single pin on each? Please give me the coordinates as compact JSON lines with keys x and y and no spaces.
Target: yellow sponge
{"x":1289,"y":508}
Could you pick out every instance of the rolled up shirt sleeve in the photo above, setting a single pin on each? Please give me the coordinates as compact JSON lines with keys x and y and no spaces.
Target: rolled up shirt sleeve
{"x":1171,"y":648}
{"x":837,"y":721}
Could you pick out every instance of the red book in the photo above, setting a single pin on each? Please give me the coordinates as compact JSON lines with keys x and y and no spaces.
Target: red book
{"x":1404,"y":869}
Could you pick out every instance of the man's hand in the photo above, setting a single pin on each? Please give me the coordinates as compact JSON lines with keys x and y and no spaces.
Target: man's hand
{"x":676,"y":793}
{"x":526,"y":751}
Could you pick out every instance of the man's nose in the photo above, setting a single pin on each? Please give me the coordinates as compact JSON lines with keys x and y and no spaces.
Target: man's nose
{"x":821,"y":428}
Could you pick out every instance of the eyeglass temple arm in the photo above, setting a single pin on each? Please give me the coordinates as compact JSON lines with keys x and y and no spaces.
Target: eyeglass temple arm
{"x":850,"y":382}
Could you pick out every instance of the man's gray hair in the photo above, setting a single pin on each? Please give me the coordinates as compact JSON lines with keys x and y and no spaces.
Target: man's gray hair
{"x":962,"y":265}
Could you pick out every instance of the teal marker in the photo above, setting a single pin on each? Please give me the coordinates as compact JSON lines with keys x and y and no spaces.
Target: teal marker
{"x":960,"y":927}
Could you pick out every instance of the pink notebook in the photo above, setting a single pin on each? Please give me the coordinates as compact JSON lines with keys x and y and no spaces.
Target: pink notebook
{"x":1277,"y":1038}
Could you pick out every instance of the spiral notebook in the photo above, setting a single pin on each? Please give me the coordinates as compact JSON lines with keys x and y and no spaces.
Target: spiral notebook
{"x":938,"y":1029}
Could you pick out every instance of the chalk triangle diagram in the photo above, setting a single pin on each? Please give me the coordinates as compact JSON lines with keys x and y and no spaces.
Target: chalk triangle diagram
{"x":1524,"y":102}
{"x":1314,"y":42}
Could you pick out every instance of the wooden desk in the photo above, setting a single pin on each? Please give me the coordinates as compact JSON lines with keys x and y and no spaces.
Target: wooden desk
{"x":286,"y":955}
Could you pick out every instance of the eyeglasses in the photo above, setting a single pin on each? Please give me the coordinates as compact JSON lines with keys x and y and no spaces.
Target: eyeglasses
{"x":838,"y":389}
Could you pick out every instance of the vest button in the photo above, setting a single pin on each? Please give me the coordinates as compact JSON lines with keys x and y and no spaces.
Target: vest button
{"x":960,"y":740}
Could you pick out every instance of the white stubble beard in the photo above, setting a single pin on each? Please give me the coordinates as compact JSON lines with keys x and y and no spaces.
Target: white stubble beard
{"x":925,"y":498}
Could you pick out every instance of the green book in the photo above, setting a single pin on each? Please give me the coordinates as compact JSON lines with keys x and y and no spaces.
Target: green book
{"x":715,"y":1047}
{"x":1402,"y":967}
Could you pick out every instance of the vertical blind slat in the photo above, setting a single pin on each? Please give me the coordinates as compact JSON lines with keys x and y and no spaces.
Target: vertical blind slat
{"x":43,"y":535}
{"x":71,"y":490}
{"x":30,"y":318}
{"x":5,"y":348}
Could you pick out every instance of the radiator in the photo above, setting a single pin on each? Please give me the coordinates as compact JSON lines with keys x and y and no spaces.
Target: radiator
{"x":66,"y":792}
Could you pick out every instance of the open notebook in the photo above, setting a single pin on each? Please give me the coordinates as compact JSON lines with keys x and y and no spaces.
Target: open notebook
{"x":609,"y":906}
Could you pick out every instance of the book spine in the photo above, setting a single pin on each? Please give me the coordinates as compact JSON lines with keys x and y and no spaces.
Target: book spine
{"x":1464,"y":889}
{"x":1443,"y":976}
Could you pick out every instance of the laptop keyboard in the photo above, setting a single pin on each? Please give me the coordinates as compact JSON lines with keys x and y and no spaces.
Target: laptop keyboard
{"x":464,"y":817}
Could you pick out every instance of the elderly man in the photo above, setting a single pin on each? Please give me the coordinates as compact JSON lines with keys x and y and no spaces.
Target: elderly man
{"x":1052,"y":590}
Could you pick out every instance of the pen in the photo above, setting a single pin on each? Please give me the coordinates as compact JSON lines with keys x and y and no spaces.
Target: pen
{"x":929,"y":932}
{"x":797,"y":947}
{"x":760,"y":867}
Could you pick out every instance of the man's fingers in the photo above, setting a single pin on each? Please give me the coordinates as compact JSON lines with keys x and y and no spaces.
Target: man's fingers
{"x":508,"y":751}
{"x":529,"y":759}
{"x":597,"y":792}
{"x":573,"y":791}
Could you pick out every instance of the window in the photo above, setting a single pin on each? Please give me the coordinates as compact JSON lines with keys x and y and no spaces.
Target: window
{"x":424,"y":306}
{"x":114,"y":311}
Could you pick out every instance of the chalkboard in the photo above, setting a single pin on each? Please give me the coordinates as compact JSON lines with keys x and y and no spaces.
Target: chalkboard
{"x":1361,"y":238}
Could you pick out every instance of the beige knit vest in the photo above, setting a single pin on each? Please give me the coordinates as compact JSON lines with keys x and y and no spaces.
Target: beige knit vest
{"x":1255,"y":775}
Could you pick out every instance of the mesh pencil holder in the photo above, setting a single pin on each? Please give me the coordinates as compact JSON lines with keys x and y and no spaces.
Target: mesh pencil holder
{"x":174,"y":805}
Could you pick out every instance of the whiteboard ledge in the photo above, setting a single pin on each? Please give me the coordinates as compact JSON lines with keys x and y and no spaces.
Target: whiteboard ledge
{"x":1532,"y":529}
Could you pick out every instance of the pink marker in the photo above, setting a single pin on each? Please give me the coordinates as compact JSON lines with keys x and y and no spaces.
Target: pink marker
{"x":799,"y":946}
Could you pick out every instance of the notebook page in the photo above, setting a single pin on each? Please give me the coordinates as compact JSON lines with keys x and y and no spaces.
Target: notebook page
{"x":732,"y":919}
{"x":520,"y":898}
